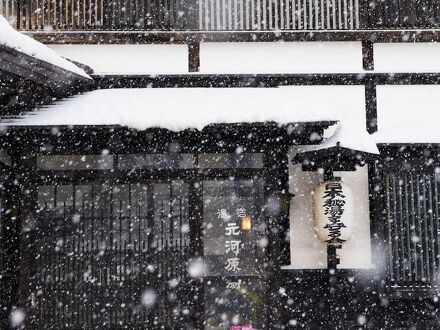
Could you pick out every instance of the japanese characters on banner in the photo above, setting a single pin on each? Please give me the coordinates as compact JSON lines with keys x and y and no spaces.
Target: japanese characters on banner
{"x":233,"y":241}
{"x":333,"y":212}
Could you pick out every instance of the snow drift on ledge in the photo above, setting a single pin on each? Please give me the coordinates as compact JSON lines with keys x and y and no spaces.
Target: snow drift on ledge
{"x":11,"y":38}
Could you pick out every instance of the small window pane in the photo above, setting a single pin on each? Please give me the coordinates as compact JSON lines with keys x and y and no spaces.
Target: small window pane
{"x":46,"y":197}
{"x":231,"y":160}
{"x":75,"y":162}
{"x":171,"y":216}
{"x":5,"y":158}
{"x":156,"y":161}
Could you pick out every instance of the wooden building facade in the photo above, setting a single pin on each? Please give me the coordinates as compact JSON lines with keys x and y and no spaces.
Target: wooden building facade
{"x":109,"y":227}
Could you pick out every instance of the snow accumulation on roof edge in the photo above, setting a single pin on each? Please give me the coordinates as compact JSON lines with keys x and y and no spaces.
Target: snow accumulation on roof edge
{"x":181,"y":108}
{"x":348,"y":136}
{"x":177,"y":109}
{"x":11,"y":38}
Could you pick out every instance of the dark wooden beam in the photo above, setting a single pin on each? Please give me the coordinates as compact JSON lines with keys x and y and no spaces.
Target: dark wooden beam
{"x":263,"y":80}
{"x":371,"y":107}
{"x":185,"y":37}
{"x":193,"y":57}
{"x":368,"y":55}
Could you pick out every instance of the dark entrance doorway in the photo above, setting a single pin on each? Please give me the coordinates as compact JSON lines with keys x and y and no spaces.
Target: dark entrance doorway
{"x":234,"y":244}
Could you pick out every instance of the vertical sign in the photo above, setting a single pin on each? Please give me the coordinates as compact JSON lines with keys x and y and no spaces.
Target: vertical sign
{"x":333,"y":212}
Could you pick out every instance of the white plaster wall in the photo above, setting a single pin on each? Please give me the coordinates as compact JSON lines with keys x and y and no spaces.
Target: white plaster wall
{"x":408,"y":105}
{"x":280,"y":57}
{"x":407,"y":57}
{"x":126,"y":59}
{"x":307,"y":252}
{"x":255,"y":57}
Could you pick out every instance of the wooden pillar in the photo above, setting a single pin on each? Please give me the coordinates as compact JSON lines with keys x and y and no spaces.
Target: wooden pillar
{"x":286,"y":199}
{"x":371,"y":106}
{"x":277,"y":180}
{"x":378,"y":224}
{"x":195,"y":200}
{"x":367,"y":55}
{"x":18,"y":16}
{"x":24,"y":161}
{"x":9,"y":248}
{"x":194,"y":57}
{"x":366,"y":15}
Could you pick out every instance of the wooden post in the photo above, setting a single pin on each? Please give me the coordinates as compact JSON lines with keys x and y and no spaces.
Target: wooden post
{"x":25,"y":162}
{"x":276,"y":177}
{"x":334,"y":313}
{"x":193,"y":57}
{"x":371,"y":106}
{"x":9,"y":248}
{"x":18,"y":18}
{"x":365,"y":15}
{"x":284,"y":218}
{"x":332,"y":258}
{"x":196,"y":245}
{"x":367,"y":55}
{"x":378,"y":222}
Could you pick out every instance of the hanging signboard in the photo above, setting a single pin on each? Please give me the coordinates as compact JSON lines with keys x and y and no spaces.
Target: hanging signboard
{"x":333,"y":212}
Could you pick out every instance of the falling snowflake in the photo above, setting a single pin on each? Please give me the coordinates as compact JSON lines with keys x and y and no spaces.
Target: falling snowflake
{"x":196,"y":267}
{"x":149,"y":297}
{"x":17,"y":317}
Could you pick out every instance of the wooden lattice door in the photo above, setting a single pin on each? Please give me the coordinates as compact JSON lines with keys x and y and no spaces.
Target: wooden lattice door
{"x":112,"y":254}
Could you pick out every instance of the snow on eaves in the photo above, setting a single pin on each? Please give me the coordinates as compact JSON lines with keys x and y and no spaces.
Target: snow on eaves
{"x":181,"y":108}
{"x":11,"y":38}
{"x":351,"y":135}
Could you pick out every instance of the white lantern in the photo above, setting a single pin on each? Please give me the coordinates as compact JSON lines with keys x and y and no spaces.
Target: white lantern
{"x":333,"y":212}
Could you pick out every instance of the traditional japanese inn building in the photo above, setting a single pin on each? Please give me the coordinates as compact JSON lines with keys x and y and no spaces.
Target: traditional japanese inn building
{"x":219,"y":164}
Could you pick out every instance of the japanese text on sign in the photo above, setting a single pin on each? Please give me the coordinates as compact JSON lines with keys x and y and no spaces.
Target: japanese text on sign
{"x":333,"y":209}
{"x":232,"y":243}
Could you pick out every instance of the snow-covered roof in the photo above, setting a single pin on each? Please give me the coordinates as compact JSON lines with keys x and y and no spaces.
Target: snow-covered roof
{"x":181,"y":108}
{"x":11,"y":38}
{"x":349,"y":135}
